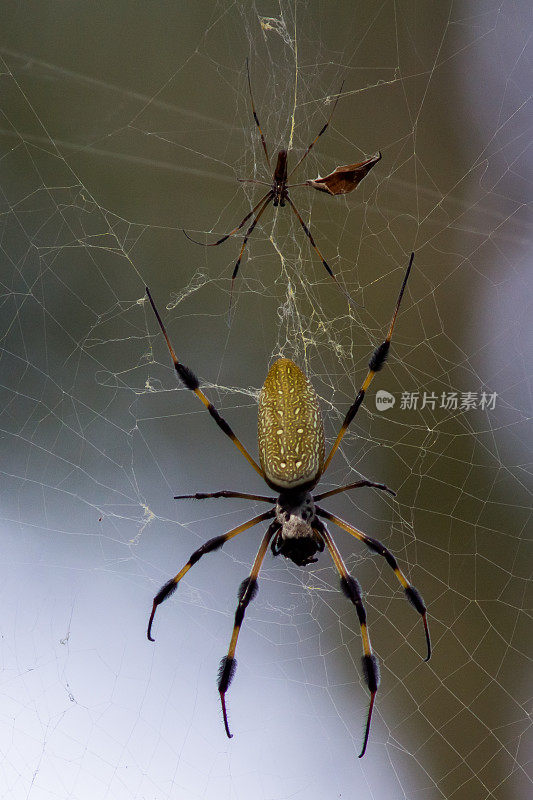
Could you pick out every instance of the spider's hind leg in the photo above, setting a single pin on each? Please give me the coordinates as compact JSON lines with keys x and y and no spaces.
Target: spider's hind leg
{"x":208,"y":547}
{"x":411,"y":592}
{"x":351,"y":589}
{"x":247,"y":592}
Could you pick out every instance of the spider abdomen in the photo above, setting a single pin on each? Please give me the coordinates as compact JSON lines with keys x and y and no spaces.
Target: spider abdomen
{"x":290,"y":429}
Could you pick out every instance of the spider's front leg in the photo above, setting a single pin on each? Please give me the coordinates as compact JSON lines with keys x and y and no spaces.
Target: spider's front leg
{"x":376,"y":363}
{"x":191,"y":382}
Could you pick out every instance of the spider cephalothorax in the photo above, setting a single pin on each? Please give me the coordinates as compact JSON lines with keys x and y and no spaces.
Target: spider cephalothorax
{"x":279,"y":184}
{"x":296,"y":538}
{"x":292,"y":461}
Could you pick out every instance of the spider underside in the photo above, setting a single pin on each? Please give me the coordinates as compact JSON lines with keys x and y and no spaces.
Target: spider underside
{"x":292,"y":461}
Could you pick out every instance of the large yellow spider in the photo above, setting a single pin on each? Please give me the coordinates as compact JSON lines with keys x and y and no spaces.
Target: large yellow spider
{"x":292,"y":461}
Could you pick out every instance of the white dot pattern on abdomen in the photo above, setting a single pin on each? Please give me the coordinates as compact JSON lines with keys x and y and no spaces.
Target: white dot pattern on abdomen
{"x":290,"y":429}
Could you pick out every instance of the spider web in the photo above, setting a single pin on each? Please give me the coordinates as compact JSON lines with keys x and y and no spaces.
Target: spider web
{"x":122,"y":126}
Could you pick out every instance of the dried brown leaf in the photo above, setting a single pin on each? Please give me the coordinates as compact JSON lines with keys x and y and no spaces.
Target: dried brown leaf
{"x":344,"y":179}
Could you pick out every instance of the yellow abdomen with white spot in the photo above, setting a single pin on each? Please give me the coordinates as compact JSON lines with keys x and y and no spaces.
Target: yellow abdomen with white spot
{"x":290,"y":430}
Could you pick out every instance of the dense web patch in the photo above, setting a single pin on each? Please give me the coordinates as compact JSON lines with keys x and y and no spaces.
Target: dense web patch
{"x":106,"y":155}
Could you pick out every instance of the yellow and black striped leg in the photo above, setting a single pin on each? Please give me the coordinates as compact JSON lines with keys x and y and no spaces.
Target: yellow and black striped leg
{"x":242,"y":495}
{"x":412,"y":594}
{"x":317,"y":137}
{"x":208,"y":547}
{"x":227,"y":235}
{"x":356,"y":485}
{"x":191,"y":382}
{"x":317,"y":251}
{"x":255,"y":115}
{"x":376,"y":363}
{"x":247,"y":592}
{"x":351,"y":589}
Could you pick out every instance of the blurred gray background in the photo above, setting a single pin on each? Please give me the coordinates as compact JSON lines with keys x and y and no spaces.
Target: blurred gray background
{"x":122,"y":124}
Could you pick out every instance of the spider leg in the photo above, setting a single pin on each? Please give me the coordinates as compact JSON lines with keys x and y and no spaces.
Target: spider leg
{"x":412,"y":594}
{"x":255,"y":115}
{"x":191,"y":382}
{"x":247,"y":592}
{"x":356,"y":485}
{"x":208,"y":547}
{"x":376,"y":363}
{"x":351,"y":589}
{"x":317,"y":137}
{"x":224,"y":493}
{"x":317,"y":251}
{"x":227,"y":235}
{"x":267,"y":201}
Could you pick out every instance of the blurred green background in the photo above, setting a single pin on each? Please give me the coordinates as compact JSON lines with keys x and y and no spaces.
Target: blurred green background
{"x":123,"y":124}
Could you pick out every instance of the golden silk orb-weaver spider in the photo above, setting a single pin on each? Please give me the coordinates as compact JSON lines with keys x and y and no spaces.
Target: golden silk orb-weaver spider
{"x":291,"y":461}
{"x":341,"y":181}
